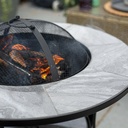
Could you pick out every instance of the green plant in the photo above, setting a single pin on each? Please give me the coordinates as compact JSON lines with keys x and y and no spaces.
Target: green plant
{"x":70,"y":3}
{"x":8,"y":9}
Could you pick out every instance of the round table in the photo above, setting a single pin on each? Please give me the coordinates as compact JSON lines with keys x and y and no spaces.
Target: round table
{"x":100,"y":84}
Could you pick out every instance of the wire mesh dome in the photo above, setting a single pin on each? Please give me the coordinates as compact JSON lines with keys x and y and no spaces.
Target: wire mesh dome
{"x":35,"y":52}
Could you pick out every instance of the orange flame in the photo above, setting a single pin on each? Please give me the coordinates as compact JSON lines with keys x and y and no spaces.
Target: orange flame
{"x":44,"y":72}
{"x":57,"y":59}
{"x":19,"y":47}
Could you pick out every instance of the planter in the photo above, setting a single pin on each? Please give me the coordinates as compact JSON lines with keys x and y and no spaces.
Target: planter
{"x":8,"y":9}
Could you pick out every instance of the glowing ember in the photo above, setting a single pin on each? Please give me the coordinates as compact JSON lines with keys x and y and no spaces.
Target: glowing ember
{"x":15,"y":55}
{"x":45,"y":73}
{"x":40,"y":63}
{"x":19,"y":47}
{"x":57,"y":59}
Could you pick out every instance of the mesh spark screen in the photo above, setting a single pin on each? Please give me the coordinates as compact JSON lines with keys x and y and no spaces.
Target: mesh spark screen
{"x":23,"y":60}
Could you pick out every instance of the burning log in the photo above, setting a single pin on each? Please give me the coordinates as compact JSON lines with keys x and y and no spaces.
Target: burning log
{"x":6,"y":41}
{"x":16,"y":56}
{"x":27,"y":65}
{"x":38,"y":61}
{"x":12,"y":74}
{"x":6,"y":60}
{"x":44,"y":69}
{"x":19,"y":47}
{"x":2,"y":62}
{"x":31,"y":54}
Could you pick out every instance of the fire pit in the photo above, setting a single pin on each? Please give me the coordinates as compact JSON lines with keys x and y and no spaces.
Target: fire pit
{"x":35,"y":52}
{"x":101,"y":83}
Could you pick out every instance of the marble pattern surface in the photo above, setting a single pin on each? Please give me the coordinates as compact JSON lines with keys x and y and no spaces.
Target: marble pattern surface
{"x":105,"y":77}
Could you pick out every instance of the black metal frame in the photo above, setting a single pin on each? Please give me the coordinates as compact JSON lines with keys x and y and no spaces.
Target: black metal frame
{"x":91,"y":120}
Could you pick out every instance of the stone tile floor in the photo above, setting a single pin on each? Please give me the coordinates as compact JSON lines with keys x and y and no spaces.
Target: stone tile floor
{"x":115,"y":116}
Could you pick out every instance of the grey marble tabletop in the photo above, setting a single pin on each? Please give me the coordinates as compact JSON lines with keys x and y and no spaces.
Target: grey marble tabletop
{"x":105,"y":77}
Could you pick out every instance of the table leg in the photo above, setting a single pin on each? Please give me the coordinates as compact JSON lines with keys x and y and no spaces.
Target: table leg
{"x":91,"y":120}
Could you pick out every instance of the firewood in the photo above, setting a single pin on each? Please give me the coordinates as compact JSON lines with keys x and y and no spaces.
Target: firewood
{"x":2,"y":62}
{"x":19,"y":47}
{"x":29,"y":54}
{"x":16,"y":56}
{"x":6,"y":41}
